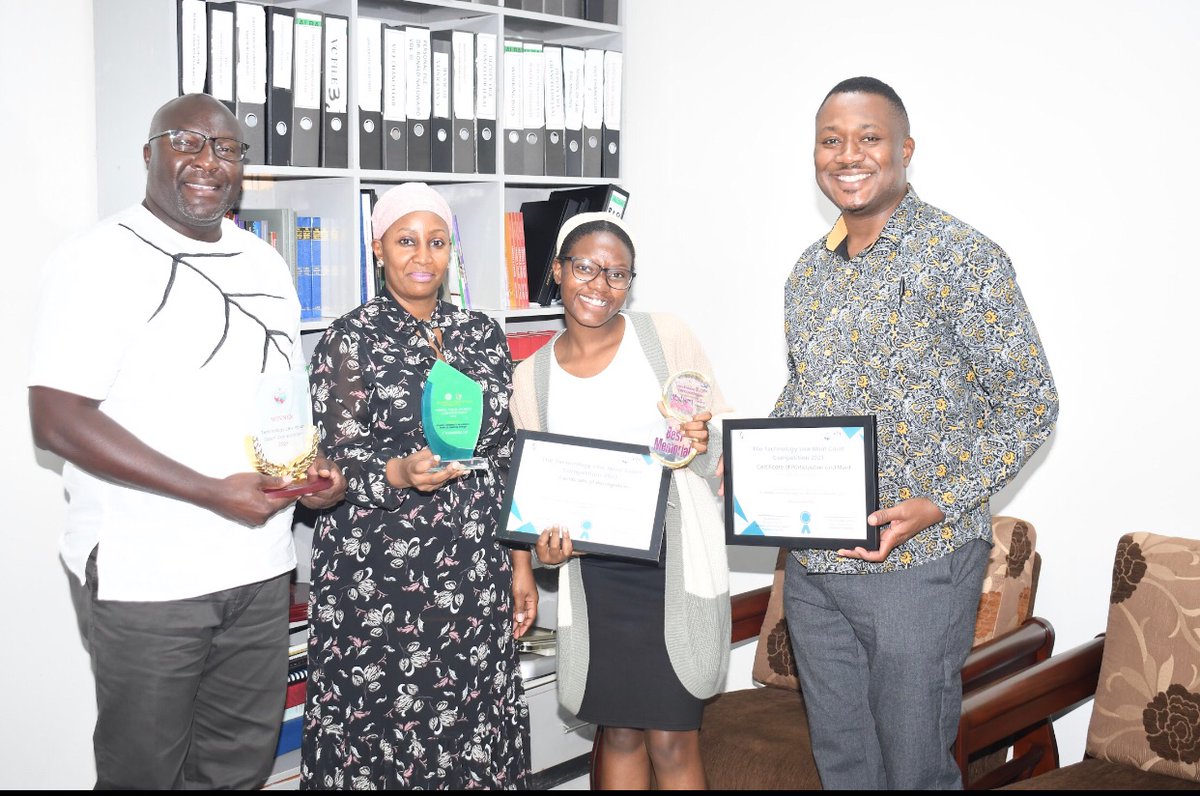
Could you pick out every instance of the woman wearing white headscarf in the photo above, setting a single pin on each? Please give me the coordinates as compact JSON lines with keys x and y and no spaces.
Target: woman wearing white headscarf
{"x":414,"y":679}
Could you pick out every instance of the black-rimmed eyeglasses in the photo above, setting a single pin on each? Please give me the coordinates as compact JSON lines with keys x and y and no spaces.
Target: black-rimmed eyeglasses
{"x":191,"y":142}
{"x":585,"y":270}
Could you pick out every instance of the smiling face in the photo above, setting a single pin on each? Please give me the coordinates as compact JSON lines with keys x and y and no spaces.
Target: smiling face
{"x":416,"y":253}
{"x":593,"y":303}
{"x":191,"y":193}
{"x":861,"y":153}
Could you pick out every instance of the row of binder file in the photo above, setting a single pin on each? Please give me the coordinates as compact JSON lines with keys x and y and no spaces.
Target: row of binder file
{"x":427,"y":100}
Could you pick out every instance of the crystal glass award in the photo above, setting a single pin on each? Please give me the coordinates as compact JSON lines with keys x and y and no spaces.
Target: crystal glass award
{"x":686,"y":393}
{"x":452,"y":413}
{"x":284,"y":439}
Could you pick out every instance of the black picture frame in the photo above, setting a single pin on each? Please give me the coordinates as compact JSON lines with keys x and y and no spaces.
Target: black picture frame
{"x":521,"y":526}
{"x":795,"y":445}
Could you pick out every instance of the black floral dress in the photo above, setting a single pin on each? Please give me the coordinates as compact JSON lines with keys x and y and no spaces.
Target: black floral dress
{"x":413,"y":673}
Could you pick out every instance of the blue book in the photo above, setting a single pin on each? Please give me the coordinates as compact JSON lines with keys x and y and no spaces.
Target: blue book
{"x":289,"y":736}
{"x":304,"y":266}
{"x":317,"y":271}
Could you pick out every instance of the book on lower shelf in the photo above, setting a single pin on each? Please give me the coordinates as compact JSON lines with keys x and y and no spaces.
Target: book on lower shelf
{"x":275,"y":225}
{"x":304,"y":265}
{"x":516,"y":265}
{"x":289,"y":735}
{"x":295,"y":693}
{"x":370,"y":276}
{"x":317,"y":273}
{"x":523,"y":345}
{"x":454,"y":285}
{"x":285,"y":774}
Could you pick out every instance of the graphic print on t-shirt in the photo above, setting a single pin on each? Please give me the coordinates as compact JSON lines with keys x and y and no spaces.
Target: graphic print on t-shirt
{"x":233,"y":301}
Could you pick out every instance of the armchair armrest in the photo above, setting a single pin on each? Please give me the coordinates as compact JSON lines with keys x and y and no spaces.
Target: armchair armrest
{"x":1019,"y":708}
{"x":1030,"y":643}
{"x":747,"y":611}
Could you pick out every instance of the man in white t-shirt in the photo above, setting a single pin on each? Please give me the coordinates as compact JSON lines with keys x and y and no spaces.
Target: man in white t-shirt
{"x":156,"y":331}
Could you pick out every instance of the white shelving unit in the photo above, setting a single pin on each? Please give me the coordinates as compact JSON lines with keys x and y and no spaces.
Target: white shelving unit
{"x":137,"y":71}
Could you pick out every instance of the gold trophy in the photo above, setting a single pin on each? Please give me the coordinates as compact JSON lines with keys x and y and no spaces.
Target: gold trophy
{"x":285,"y":440}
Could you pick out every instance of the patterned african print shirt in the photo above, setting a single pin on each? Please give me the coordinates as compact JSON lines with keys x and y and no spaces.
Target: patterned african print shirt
{"x":927,"y":330}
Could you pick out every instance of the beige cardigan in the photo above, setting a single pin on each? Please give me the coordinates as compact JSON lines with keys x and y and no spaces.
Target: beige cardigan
{"x":696,"y":627}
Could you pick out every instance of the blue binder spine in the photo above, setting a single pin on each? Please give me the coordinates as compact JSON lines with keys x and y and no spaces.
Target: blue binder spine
{"x":304,"y":266}
{"x":318,"y":269}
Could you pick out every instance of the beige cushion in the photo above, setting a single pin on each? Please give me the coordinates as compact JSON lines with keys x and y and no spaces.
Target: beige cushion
{"x":1008,"y":583}
{"x":1003,"y":605}
{"x":773,"y":660}
{"x":1147,"y":708}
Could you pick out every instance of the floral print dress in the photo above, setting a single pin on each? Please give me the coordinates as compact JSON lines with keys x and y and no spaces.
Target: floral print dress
{"x":413,"y":672}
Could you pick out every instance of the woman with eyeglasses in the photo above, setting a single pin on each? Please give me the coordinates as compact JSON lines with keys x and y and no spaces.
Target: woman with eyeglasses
{"x":640,"y":646}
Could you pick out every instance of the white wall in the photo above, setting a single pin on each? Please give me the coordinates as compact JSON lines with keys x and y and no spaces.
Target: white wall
{"x":48,"y":142}
{"x":1062,"y":130}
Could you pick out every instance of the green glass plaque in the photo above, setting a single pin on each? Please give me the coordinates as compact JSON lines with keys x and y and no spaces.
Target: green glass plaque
{"x":452,"y":412}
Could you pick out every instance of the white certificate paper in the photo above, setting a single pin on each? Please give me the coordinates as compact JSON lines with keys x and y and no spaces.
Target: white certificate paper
{"x":800,"y":482}
{"x":610,"y":496}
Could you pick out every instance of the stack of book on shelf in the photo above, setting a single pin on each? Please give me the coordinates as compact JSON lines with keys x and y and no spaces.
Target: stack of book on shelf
{"x":515,"y":264}
{"x":523,"y":345}
{"x":282,"y":72}
{"x":565,"y":103}
{"x":298,"y":241}
{"x":537,"y":649}
{"x":293,"y":713}
{"x":309,"y":274}
{"x":427,"y":99}
{"x":538,"y":640}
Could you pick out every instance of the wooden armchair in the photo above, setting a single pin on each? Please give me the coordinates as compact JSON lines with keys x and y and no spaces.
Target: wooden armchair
{"x":1144,"y":673}
{"x":757,"y":738}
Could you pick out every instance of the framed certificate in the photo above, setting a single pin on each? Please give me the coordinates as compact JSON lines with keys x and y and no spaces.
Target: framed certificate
{"x":611,"y":497}
{"x":801,"y":482}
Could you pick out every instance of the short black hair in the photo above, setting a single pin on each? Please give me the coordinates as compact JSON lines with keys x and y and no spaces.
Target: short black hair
{"x":871,"y":85}
{"x":591,"y":228}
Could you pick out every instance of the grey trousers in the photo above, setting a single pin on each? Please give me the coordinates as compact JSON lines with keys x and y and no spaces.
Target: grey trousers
{"x":880,"y":661}
{"x":189,"y":693}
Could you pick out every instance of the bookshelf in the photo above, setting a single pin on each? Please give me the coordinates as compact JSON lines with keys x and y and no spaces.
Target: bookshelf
{"x":137,"y":70}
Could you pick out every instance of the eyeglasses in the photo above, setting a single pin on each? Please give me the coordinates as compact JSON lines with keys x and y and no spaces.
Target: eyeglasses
{"x":585,"y":271}
{"x":191,"y":142}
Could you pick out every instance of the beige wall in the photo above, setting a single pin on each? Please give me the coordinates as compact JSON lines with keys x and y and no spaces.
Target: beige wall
{"x":48,"y":141}
{"x":1062,"y":130}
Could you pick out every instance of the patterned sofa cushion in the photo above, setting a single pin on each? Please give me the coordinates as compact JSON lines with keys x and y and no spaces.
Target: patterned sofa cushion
{"x":1147,"y":708}
{"x":1007,"y":595}
{"x":774,"y":663}
{"x":1006,"y":601}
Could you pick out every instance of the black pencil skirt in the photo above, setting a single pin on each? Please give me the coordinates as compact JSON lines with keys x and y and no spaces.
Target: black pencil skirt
{"x":630,"y":681}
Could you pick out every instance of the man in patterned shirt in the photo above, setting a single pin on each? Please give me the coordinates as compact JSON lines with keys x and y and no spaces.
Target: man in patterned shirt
{"x":906,"y":313}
